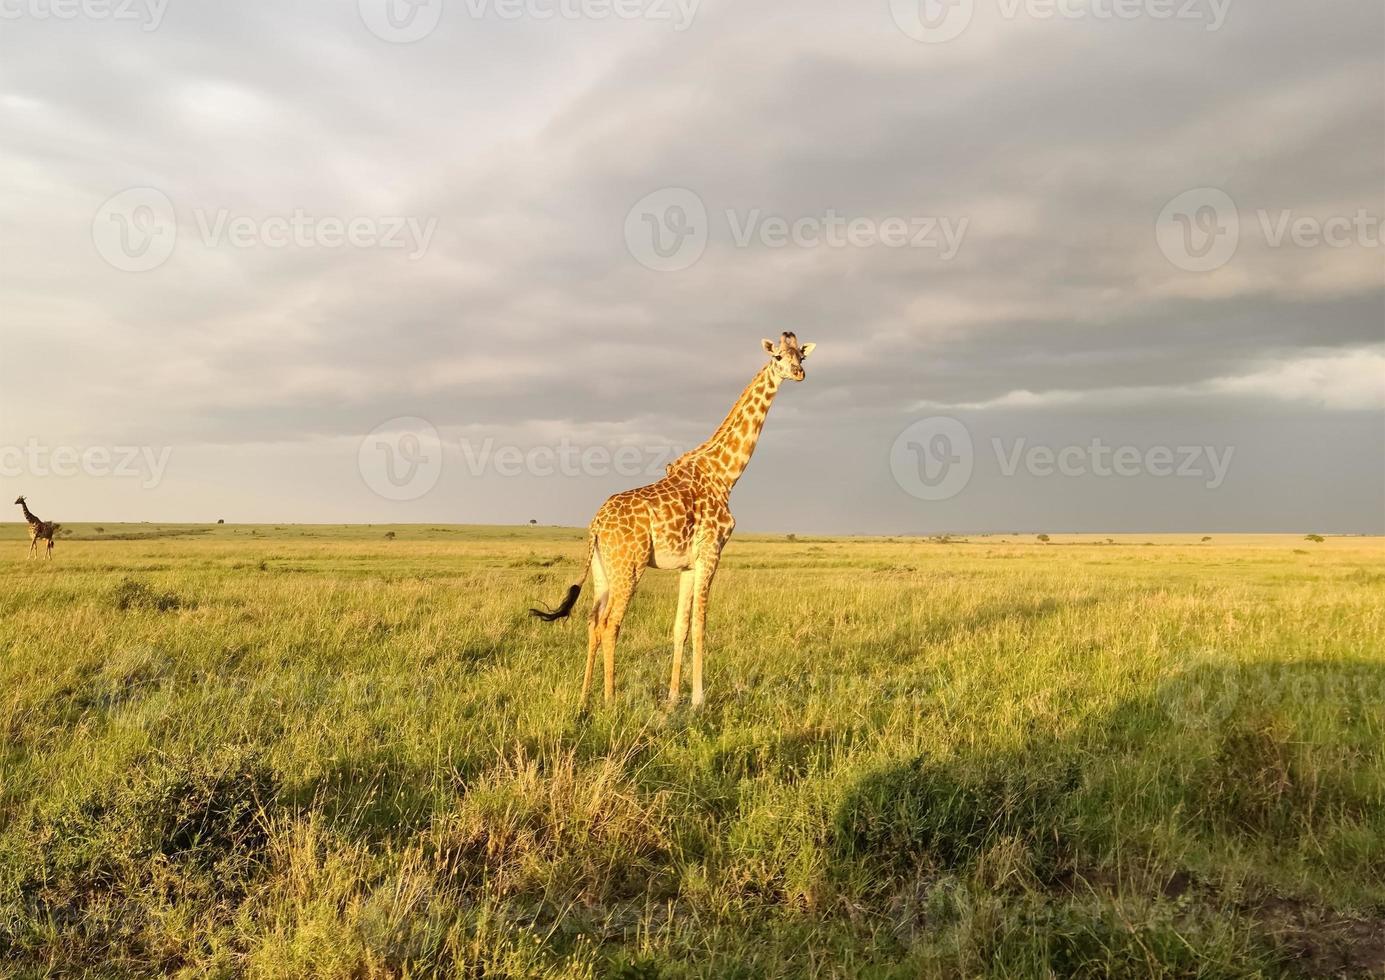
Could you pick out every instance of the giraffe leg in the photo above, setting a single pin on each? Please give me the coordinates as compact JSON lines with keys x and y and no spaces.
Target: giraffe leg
{"x":680,"y":632}
{"x":623,"y":583}
{"x":705,"y":570}
{"x":593,"y":641}
{"x":600,"y":598}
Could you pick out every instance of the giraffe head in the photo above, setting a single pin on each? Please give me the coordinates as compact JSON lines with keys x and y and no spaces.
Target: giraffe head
{"x":19,"y":501}
{"x":788,"y":356}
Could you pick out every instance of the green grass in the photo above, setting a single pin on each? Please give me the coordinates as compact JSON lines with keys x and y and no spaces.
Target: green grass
{"x":312,"y":751}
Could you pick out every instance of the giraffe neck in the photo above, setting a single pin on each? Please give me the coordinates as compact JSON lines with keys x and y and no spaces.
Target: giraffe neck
{"x":726,"y":454}
{"x":28,"y":514}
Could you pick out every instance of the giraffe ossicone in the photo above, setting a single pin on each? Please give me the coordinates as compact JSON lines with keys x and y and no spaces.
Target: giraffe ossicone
{"x":38,"y":530}
{"x":681,"y":522}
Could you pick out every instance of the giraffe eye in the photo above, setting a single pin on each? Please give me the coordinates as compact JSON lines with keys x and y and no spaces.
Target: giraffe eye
{"x":778,"y":357}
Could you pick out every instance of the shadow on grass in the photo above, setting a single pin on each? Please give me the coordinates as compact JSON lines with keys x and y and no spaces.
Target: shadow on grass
{"x":1049,"y":857}
{"x":1277,"y":760}
{"x":373,"y":797}
{"x":84,"y":878}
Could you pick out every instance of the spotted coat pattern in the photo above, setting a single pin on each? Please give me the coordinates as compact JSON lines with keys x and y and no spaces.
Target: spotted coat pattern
{"x":38,"y":530}
{"x":681,"y":522}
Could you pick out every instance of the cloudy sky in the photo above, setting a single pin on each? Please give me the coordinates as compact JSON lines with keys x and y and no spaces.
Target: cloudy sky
{"x":1107,"y":265}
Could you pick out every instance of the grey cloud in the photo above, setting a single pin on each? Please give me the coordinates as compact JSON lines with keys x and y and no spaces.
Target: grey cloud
{"x":530,"y":142}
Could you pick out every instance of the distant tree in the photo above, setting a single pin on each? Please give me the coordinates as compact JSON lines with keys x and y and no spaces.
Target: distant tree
{"x":221,"y":520}
{"x":100,"y":530}
{"x":1314,"y":537}
{"x":389,"y":535}
{"x":532,"y":521}
{"x":1206,"y":537}
{"x":791,"y":537}
{"x":1044,"y":538}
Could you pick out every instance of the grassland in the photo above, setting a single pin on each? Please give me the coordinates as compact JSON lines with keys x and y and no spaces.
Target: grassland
{"x":304,"y":752}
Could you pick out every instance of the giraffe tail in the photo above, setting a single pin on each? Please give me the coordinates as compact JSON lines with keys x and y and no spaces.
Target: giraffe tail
{"x":565,"y":607}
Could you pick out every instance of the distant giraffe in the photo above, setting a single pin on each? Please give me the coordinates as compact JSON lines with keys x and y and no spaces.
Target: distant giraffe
{"x":681,"y":522}
{"x":38,"y":530}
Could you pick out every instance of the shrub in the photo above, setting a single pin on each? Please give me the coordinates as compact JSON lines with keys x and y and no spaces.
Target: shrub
{"x":131,"y":594}
{"x":949,"y":815}
{"x":188,"y":832}
{"x":545,"y":825}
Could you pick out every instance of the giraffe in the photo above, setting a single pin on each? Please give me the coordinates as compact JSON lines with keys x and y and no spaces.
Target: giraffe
{"x":38,"y":530}
{"x":681,"y":522}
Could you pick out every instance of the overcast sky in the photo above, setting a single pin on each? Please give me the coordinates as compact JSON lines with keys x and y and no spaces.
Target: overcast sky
{"x":1069,"y":266}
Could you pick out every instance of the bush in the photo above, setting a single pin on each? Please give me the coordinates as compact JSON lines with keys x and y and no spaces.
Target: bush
{"x":949,"y":815}
{"x":538,"y":826}
{"x":1044,"y":538}
{"x":190,"y":832}
{"x":130,"y":594}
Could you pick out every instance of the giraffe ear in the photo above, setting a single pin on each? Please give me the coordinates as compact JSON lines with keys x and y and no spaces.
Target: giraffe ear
{"x":768,"y":345}
{"x":805,"y":350}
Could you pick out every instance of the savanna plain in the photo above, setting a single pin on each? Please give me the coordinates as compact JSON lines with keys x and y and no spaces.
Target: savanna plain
{"x":350,"y":752}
